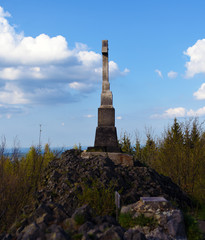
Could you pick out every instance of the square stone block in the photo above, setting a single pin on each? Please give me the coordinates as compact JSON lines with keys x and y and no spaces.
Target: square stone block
{"x":106,"y":117}
{"x":106,"y":137}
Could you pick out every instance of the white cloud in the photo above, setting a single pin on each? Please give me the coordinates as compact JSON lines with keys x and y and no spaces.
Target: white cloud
{"x":3,"y":13}
{"x":200,"y":94}
{"x":172,"y":74}
{"x":171,"y":113}
{"x":159,"y":73}
{"x":80,"y":86}
{"x":119,"y":117}
{"x":197,"y":58}
{"x":11,"y":94}
{"x":44,"y":69}
{"x":197,"y":113}
{"x":180,"y":112}
{"x":89,"y":116}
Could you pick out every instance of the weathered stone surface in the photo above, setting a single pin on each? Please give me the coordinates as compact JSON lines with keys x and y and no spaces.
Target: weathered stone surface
{"x":117,"y":158}
{"x":86,"y":227}
{"x":30,"y":232}
{"x":106,"y":117}
{"x":84,"y":212}
{"x":114,"y":233}
{"x":170,"y":223}
{"x":153,"y":199}
{"x":133,"y":234}
{"x":55,"y":204}
{"x":175,"y":224}
{"x":106,"y":137}
{"x":106,"y":134}
{"x":106,"y":96}
{"x":55,"y":232}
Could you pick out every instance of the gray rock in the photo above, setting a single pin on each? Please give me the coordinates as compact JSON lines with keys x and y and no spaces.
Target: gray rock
{"x":86,"y":227}
{"x":102,"y":219}
{"x":175,"y":225}
{"x":55,"y":232}
{"x":127,"y":209}
{"x":133,"y":234}
{"x":114,"y":233}
{"x":82,"y":214}
{"x":7,"y":237}
{"x":30,"y":232}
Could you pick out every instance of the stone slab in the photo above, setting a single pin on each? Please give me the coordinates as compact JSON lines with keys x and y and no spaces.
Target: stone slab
{"x":106,"y":137}
{"x":106,"y":117}
{"x":152,"y":199}
{"x":117,"y":158}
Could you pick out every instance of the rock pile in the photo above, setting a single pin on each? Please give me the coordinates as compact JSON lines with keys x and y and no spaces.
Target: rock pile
{"x":56,"y":213}
{"x":169,"y":222}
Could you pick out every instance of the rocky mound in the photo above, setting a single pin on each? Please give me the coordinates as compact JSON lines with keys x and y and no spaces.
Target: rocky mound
{"x":57,"y":202}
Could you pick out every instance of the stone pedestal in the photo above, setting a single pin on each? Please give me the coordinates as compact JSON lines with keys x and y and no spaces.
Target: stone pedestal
{"x":117,"y":158}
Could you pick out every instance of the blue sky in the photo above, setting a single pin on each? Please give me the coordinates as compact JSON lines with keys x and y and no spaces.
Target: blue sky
{"x":50,"y":66}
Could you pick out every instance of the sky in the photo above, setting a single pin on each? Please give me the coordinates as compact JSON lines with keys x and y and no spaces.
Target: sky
{"x":51,"y":67}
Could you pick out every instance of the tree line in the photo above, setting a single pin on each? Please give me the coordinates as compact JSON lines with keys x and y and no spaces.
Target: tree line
{"x":179,"y":154}
{"x":19,"y":180}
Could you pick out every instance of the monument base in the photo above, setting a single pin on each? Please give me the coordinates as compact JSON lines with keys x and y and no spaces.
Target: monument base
{"x":117,"y":158}
{"x":106,"y":138}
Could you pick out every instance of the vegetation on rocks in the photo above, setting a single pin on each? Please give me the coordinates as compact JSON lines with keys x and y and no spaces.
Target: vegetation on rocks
{"x":127,"y":221}
{"x":178,"y":154}
{"x":42,"y":194}
{"x":19,"y":180}
{"x":99,"y":197}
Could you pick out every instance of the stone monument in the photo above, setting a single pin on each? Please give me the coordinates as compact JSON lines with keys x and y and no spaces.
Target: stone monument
{"x":106,"y":134}
{"x":106,"y":142}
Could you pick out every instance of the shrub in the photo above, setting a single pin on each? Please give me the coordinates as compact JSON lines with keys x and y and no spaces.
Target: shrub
{"x":127,"y":221}
{"x":99,"y":197}
{"x":192,"y":228}
{"x":19,"y":179}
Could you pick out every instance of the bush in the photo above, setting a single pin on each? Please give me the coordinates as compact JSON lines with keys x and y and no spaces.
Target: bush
{"x":19,"y":179}
{"x":192,"y":228}
{"x":127,"y":221}
{"x":98,"y":196}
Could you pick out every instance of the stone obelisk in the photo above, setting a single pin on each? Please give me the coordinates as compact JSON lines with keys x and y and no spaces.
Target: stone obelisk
{"x":106,"y":134}
{"x":106,"y":143}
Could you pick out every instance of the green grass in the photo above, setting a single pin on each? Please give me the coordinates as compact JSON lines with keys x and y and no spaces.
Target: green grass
{"x":127,"y":221}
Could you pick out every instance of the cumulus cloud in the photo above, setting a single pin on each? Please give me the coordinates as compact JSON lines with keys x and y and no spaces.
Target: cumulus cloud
{"x":171,"y":113}
{"x":44,"y":69}
{"x":197,"y":113}
{"x":200,"y":94}
{"x":180,"y":112}
{"x":196,"y":64}
{"x":172,"y":74}
{"x":159,"y":73}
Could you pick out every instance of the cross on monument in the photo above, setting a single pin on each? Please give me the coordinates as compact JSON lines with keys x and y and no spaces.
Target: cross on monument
{"x":106,"y":133}
{"x":106,"y":143}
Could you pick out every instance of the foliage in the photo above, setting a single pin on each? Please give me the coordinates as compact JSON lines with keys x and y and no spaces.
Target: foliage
{"x":192,"y":228}
{"x":125,"y":144}
{"x":99,"y":197}
{"x":179,"y":154}
{"x":127,"y":221}
{"x":77,"y":236}
{"x":78,"y":147}
{"x":79,"y":219}
{"x":19,"y":179}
